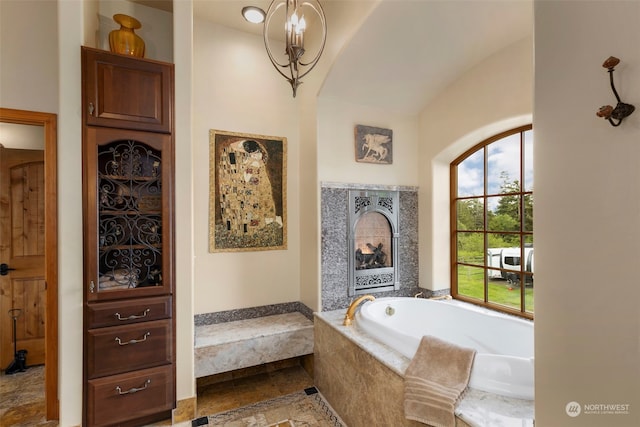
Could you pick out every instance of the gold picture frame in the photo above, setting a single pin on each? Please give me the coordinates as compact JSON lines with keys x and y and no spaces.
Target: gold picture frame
{"x":247,"y":192}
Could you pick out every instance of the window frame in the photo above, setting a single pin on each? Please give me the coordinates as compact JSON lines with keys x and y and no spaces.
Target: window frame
{"x":523,"y":234}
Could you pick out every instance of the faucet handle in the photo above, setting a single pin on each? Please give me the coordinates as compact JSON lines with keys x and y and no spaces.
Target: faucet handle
{"x":347,"y":320}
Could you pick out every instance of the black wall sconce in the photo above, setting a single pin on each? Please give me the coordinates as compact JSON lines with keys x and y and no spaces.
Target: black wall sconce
{"x":622,"y":110}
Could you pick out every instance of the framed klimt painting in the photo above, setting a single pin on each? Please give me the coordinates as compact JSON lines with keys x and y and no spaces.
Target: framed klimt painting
{"x":247,"y":192}
{"x":373,"y":145}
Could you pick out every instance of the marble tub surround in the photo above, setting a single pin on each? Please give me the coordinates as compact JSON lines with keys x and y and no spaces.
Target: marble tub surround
{"x":363,"y":380}
{"x":428,"y":293}
{"x":363,"y":391}
{"x":252,"y":313}
{"x":478,"y":408}
{"x":334,"y":199}
{"x":223,"y":347}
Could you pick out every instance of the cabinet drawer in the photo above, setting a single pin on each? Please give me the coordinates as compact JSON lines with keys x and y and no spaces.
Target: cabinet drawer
{"x":127,"y":312}
{"x":119,"y":398}
{"x":126,"y":348}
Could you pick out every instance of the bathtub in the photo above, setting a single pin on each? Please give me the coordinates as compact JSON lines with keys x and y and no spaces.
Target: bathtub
{"x":504,"y":361}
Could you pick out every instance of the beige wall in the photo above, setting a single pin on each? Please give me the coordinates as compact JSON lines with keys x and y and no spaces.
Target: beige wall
{"x":337,"y":119}
{"x":29,"y":65}
{"x":587,"y":215}
{"x":494,"y":96}
{"x":184,"y":232}
{"x":254,"y":99}
{"x":70,"y":266}
{"x":25,"y":137}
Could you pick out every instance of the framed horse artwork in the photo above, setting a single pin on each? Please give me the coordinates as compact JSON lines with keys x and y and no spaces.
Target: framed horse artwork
{"x":373,"y":145}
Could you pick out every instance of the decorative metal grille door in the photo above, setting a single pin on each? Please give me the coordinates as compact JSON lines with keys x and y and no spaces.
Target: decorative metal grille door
{"x":130,"y":216}
{"x":377,"y":270}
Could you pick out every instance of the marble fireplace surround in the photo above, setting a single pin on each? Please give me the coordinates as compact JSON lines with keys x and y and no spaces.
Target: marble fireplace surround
{"x":334,"y":200}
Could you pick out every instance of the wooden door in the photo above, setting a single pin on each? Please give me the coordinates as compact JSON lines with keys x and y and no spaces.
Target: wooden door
{"x":22,"y":223}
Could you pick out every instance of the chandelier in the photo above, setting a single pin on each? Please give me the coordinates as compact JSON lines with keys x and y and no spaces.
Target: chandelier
{"x":294,"y":66}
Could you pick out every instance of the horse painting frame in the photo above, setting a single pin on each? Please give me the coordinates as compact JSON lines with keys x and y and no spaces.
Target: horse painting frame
{"x":373,"y":145}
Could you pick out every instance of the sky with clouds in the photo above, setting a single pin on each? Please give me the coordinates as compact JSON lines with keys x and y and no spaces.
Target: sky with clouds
{"x":503,"y":156}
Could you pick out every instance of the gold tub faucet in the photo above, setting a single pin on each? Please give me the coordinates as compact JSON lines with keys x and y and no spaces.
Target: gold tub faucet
{"x":351,"y":311}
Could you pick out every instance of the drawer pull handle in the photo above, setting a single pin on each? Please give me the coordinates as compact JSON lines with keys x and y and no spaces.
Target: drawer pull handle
{"x":143,"y":339}
{"x":133,"y":390}
{"x":133,"y":316}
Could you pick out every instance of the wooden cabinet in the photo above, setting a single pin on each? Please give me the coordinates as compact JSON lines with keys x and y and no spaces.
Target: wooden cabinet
{"x":128,"y":157}
{"x":126,"y":93}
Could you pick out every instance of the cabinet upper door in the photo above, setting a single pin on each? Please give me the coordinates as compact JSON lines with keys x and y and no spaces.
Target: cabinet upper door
{"x":128,"y":235}
{"x":125,"y":92}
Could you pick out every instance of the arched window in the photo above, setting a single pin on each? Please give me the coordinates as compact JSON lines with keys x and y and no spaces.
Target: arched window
{"x":492,"y":223}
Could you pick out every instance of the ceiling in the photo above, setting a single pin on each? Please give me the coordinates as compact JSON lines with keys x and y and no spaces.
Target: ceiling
{"x":229,"y":13}
{"x":406,"y":51}
{"x":166,"y":5}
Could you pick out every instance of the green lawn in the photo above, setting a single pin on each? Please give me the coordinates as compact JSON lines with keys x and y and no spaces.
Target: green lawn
{"x":470,"y":284}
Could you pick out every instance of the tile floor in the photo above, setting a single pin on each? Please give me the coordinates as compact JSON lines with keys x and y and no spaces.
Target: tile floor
{"x":22,"y":394}
{"x":22,"y":399}
{"x":258,"y":384}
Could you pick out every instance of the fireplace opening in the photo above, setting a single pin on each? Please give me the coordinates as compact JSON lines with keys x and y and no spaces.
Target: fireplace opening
{"x":373,"y":242}
{"x":373,"y":239}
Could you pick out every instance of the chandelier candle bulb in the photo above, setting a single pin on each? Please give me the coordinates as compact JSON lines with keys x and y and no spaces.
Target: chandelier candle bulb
{"x":300,"y":26}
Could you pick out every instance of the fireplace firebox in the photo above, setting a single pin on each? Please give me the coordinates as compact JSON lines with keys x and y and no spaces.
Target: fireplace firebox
{"x":373,"y":240}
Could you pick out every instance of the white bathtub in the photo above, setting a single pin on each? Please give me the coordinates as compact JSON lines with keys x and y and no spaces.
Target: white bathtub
{"x":504,"y":361}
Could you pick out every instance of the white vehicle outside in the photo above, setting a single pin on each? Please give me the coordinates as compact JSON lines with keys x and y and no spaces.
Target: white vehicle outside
{"x":504,"y":259}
